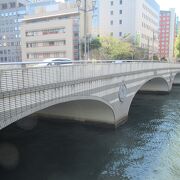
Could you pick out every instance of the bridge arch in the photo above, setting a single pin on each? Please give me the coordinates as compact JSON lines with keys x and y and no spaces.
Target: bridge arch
{"x":177,"y":79}
{"x":80,"y":108}
{"x":157,"y":85}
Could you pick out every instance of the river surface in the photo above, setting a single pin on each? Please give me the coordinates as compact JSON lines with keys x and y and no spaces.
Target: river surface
{"x":147,"y":147}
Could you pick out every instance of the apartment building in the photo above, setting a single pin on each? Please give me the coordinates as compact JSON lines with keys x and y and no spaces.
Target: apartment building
{"x":51,"y":31}
{"x":11,"y":15}
{"x":167,"y":34}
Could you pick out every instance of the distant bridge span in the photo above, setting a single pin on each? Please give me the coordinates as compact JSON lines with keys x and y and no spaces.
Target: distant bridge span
{"x":89,"y":92}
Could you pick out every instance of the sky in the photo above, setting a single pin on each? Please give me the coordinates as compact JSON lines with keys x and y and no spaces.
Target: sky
{"x":166,"y":4}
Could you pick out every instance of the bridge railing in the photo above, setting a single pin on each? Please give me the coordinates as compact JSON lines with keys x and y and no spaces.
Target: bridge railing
{"x":24,"y":75}
{"x":29,"y":64}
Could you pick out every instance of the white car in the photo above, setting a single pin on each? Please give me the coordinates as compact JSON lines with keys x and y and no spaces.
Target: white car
{"x":118,"y":62}
{"x":54,"y":62}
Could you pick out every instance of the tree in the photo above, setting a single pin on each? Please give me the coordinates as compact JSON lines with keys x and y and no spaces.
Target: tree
{"x":178,"y":46}
{"x":112,"y":48}
{"x":95,"y":44}
{"x":140,"y":53}
{"x":93,"y":47}
{"x":155,"y":57}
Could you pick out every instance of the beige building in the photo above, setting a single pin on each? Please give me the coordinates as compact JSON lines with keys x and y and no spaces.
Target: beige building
{"x":51,"y":34}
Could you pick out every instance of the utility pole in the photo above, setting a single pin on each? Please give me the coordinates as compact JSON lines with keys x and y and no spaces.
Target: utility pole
{"x":148,"y":48}
{"x":79,"y":38}
{"x":85,"y":11}
{"x":85,"y":29}
{"x":153,"y":47}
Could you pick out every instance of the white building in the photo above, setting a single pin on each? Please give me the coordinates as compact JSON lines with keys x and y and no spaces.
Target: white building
{"x":129,"y":18}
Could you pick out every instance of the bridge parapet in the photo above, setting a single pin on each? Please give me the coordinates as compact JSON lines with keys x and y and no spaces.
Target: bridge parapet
{"x":20,"y":78}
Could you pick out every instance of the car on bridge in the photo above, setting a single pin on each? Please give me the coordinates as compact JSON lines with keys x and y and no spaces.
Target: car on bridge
{"x":54,"y":62}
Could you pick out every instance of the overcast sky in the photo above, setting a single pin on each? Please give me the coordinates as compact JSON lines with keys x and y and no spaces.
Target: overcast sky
{"x":166,"y":4}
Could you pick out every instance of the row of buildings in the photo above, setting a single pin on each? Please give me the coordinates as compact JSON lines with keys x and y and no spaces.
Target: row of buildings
{"x":35,"y":30}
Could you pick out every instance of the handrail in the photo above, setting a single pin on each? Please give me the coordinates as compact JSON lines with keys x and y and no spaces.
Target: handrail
{"x":80,"y":62}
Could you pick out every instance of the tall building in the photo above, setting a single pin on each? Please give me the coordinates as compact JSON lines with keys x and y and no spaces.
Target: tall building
{"x":11,"y":15}
{"x":167,"y":34}
{"x":50,"y":31}
{"x":137,"y":20}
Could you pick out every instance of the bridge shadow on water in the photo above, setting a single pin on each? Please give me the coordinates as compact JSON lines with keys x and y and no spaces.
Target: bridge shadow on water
{"x":52,"y":151}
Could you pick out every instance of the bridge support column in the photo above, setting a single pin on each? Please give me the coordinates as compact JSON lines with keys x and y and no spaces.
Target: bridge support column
{"x":177,"y":79}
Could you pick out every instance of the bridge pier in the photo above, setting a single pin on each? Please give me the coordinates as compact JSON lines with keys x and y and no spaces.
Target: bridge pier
{"x":177,"y":79}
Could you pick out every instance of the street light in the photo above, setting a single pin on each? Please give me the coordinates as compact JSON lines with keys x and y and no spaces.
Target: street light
{"x":85,"y":10}
{"x":78,"y":2}
{"x":93,"y":4}
{"x":155,"y":38}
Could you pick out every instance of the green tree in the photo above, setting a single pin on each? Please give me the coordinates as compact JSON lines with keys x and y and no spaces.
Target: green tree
{"x":178,"y":46}
{"x":95,"y":44}
{"x":112,"y":48}
{"x":155,"y":57}
{"x":140,"y":53}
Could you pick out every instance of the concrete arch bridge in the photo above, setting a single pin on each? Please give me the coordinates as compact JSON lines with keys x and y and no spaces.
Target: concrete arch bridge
{"x":90,"y":92}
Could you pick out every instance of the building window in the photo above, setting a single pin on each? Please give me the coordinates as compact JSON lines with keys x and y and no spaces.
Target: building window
{"x":45,"y":44}
{"x":45,"y":32}
{"x":21,"y":5}
{"x":120,"y":2}
{"x":120,"y":21}
{"x":112,"y":3}
{"x":4,"y":6}
{"x":12,"y":4}
{"x":51,"y":43}
{"x":120,"y":11}
{"x":111,"y":34}
{"x":111,"y":22}
{"x":21,"y":12}
{"x":45,"y":55}
{"x":120,"y":33}
{"x":112,"y":12}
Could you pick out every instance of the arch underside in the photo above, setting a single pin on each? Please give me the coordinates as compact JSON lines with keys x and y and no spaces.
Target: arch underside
{"x":155,"y":85}
{"x":84,"y":110}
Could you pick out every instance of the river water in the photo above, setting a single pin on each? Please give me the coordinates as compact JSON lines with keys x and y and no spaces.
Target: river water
{"x":146,"y":147}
